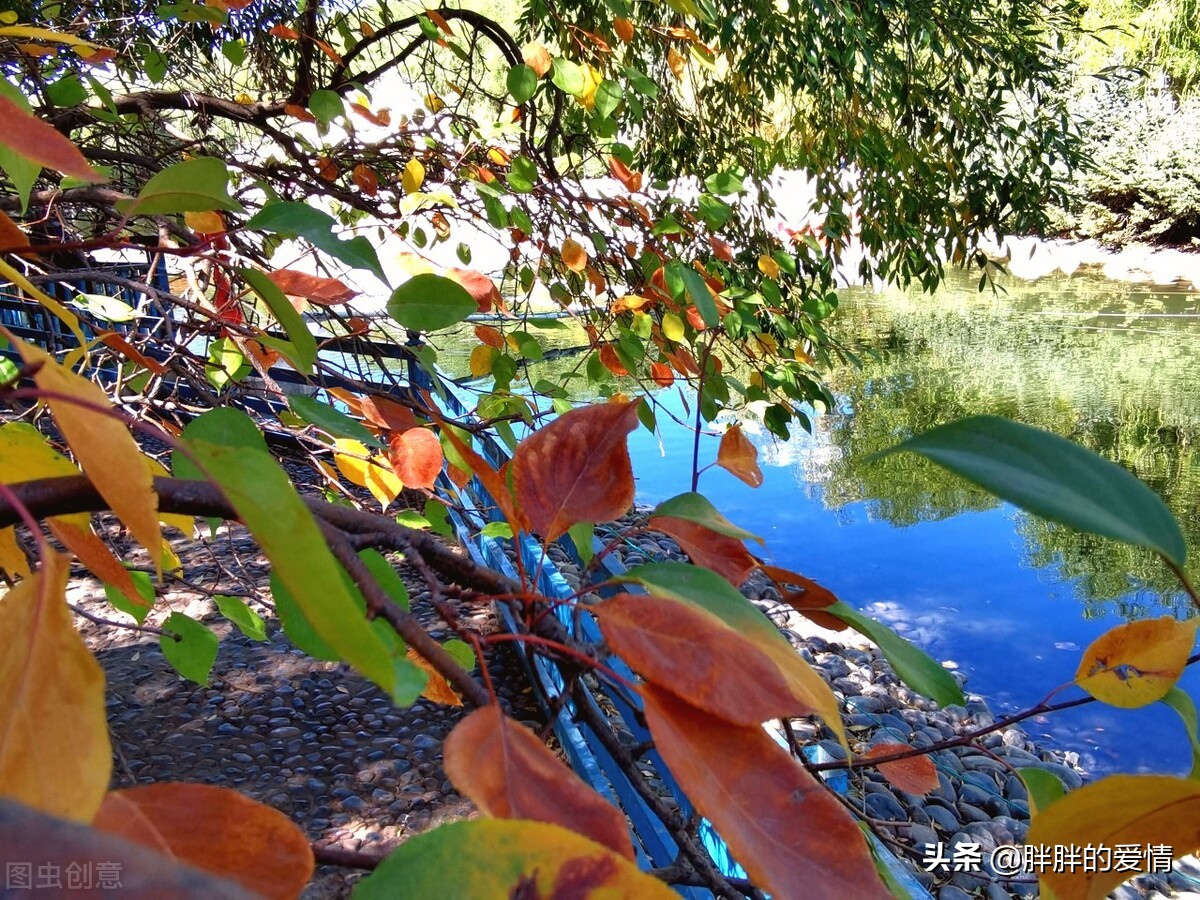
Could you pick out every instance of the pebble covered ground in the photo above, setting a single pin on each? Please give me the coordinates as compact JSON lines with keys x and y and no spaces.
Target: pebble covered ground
{"x":328,"y":749}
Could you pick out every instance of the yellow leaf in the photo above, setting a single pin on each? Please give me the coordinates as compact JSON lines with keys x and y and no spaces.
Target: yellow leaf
{"x":1120,"y":809}
{"x":365,"y":470}
{"x":413,"y":177}
{"x":102,"y":444}
{"x":434,"y":103}
{"x":12,"y":559}
{"x":207,"y":222}
{"x":437,"y":688}
{"x":675,"y":62}
{"x":1137,"y":663}
{"x":54,"y":750}
{"x":768,"y":267}
{"x":739,"y":457}
{"x":672,"y":327}
{"x":574,"y":255}
{"x":186,"y":524}
{"x":482,"y":359}
{"x":34,"y":33}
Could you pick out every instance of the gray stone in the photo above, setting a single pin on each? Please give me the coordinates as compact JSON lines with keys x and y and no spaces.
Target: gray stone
{"x":885,"y":806}
{"x":942,"y":817}
{"x":972,"y":813}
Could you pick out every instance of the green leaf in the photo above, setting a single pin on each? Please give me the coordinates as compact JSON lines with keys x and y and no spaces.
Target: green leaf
{"x":1054,"y":478}
{"x":696,"y":508}
{"x":568,"y":77}
{"x":1183,"y":705}
{"x":914,"y":666}
{"x":248,"y":622}
{"x":681,"y":278}
{"x":522,"y":83}
{"x":461,"y":653}
{"x":226,"y":363}
{"x":145,"y":589}
{"x":21,"y":171}
{"x":724,"y":184}
{"x":67,"y":91}
{"x":190,"y":648}
{"x":262,"y":494}
{"x":608,"y":97}
{"x":438,"y":518}
{"x":1043,"y":787}
{"x":317,"y":228}
{"x":296,"y":626}
{"x":330,"y":420}
{"x":102,"y":306}
{"x":389,"y":579}
{"x":497,"y":530}
{"x":302,"y":352}
{"x":522,"y":175}
{"x":326,"y":106}
{"x":194,"y":185}
{"x":428,"y":302}
{"x":582,"y":535}
{"x":410,"y":518}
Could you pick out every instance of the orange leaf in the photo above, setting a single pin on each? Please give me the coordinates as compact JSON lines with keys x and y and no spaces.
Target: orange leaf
{"x":439,"y":21}
{"x":495,"y":482}
{"x":364,"y":176}
{"x":54,"y":749}
{"x":694,"y":655}
{"x":612,"y":362}
{"x":282,"y":31}
{"x":321,"y":291}
{"x":1137,"y":663}
{"x":675,"y":63}
{"x":574,"y":256}
{"x":384,"y":413}
{"x":537,"y":57}
{"x":103,"y":445}
{"x":328,"y":50}
{"x":10,"y":234}
{"x":720,"y":249}
{"x":510,"y":774}
{"x":126,"y":349}
{"x":481,"y":288}
{"x":577,"y":468}
{"x":94,"y":553}
{"x":382,"y":118}
{"x":727,"y":556}
{"x":661,"y":374}
{"x":437,"y":688}
{"x":490,"y":336}
{"x":810,"y":601}
{"x":39,"y":141}
{"x":214,"y":829}
{"x":416,"y":457}
{"x":623,"y":29}
{"x":793,"y":838}
{"x":739,"y":457}
{"x":327,"y":169}
{"x":916,"y":774}
{"x":299,"y":112}
{"x":621,"y":172}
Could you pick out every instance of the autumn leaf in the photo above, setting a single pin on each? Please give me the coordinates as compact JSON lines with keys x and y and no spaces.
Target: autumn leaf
{"x":54,"y":749}
{"x":510,"y":774}
{"x":784,"y":827}
{"x":1119,"y":809}
{"x":720,"y":249}
{"x":916,"y":774}
{"x":574,"y":256}
{"x":282,"y":31}
{"x":495,"y":482}
{"x":537,"y":57}
{"x":769,"y":267}
{"x":34,"y":139}
{"x":727,"y":556}
{"x":327,"y":169}
{"x":739,"y":457}
{"x":809,"y":601}
{"x":102,"y":444}
{"x":413,"y":176}
{"x":206,"y":222}
{"x":12,"y":557}
{"x":362,"y":468}
{"x":416,"y":457}
{"x":366,"y":179}
{"x":675,"y":63}
{"x":612,"y":362}
{"x":1137,"y":663}
{"x":694,"y":655}
{"x":315,"y":288}
{"x":217,"y":830}
{"x":576,"y":469}
{"x":621,"y":172}
{"x":481,"y":288}
{"x":661,"y":374}
{"x":623,"y":29}
{"x":490,"y":336}
{"x":11,"y":236}
{"x":299,"y":112}
{"x":437,"y":688}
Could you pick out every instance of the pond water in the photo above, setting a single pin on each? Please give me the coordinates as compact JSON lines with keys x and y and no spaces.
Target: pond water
{"x":1010,"y":599}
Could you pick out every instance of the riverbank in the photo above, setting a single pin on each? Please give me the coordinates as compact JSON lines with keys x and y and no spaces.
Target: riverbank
{"x":1032,"y":258}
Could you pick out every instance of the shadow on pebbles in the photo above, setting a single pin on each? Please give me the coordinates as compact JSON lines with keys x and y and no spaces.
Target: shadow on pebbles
{"x":312,"y":739}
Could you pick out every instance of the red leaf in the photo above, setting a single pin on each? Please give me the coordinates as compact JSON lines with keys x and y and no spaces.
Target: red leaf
{"x":693,"y":654}
{"x":612,"y":362}
{"x":510,"y":774}
{"x":416,"y":457}
{"x":282,"y":31}
{"x":916,"y":774}
{"x":793,"y":838}
{"x":726,"y":556}
{"x":34,"y":139}
{"x":387,"y":414}
{"x":720,"y":249}
{"x":808,"y":602}
{"x":481,"y":288}
{"x":739,"y":457}
{"x":490,"y":336}
{"x":299,"y":112}
{"x":577,"y":468}
{"x":661,"y":374}
{"x":319,"y":290}
{"x":214,"y":829}
{"x":365,"y":178}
